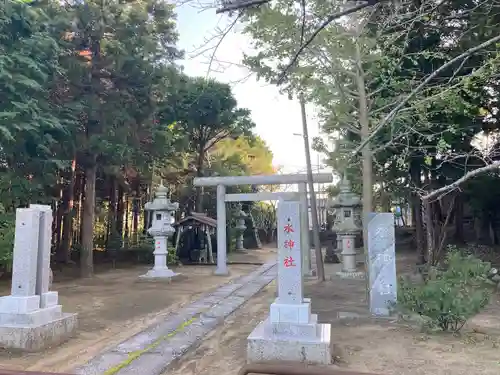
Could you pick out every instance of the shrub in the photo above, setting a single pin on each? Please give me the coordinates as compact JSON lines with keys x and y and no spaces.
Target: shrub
{"x":7,"y":232}
{"x":451,"y":293}
{"x":146,"y":246}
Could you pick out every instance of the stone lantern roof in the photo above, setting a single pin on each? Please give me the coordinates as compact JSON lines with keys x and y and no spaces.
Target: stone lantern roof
{"x":161,"y":202}
{"x":346,"y":197}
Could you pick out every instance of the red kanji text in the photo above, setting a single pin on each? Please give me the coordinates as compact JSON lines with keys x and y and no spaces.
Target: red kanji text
{"x":289,"y":262}
{"x":289,"y":244}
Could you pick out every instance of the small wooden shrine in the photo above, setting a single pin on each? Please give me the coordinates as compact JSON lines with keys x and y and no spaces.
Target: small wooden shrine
{"x":195,"y":237}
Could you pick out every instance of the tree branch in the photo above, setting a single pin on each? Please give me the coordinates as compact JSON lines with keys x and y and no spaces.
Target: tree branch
{"x":431,"y":76}
{"x":325,"y":23}
{"x":228,"y":6}
{"x":464,"y":178}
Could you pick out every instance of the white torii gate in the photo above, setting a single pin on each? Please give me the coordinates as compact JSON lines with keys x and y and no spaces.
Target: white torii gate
{"x":276,"y":179}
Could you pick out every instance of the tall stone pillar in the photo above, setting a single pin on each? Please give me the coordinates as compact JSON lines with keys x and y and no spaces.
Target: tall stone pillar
{"x":291,"y":333}
{"x":31,"y":318}
{"x":221,"y":232}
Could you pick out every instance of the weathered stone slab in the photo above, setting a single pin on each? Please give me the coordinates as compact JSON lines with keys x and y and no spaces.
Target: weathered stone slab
{"x":101,"y":363}
{"x":149,"y":336}
{"x":381,"y":263}
{"x":264,"y":345}
{"x":225,"y":308}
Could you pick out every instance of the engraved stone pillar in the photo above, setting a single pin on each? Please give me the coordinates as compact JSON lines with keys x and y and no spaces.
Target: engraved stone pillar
{"x":31,"y":318}
{"x":381,"y":263}
{"x":291,"y":333}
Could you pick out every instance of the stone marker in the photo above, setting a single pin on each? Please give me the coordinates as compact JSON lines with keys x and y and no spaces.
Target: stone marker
{"x":381,"y":263}
{"x":27,"y":323}
{"x":291,"y":333}
{"x":44,"y":273}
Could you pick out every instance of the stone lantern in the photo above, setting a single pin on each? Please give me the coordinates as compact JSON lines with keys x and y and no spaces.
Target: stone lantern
{"x":347,"y":223}
{"x":161,"y":229}
{"x":240,"y":227}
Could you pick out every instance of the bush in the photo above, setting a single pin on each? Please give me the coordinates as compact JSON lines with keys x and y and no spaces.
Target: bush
{"x":7,"y":232}
{"x":146,"y":246}
{"x":450,"y":294}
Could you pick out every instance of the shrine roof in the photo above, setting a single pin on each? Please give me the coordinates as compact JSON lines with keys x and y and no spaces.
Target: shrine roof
{"x":199,"y":218}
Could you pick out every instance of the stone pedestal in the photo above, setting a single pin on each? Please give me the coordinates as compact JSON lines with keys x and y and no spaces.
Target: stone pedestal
{"x":239,"y":243}
{"x":160,"y":269}
{"x":31,"y":318}
{"x":348,"y":252}
{"x":291,"y":333}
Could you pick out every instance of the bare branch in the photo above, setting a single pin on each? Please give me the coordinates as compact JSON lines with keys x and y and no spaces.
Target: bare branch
{"x":325,"y":23}
{"x":229,"y":6}
{"x":464,"y":178}
{"x":224,"y":34}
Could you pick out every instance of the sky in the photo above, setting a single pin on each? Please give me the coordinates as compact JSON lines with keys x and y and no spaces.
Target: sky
{"x":276,"y":117}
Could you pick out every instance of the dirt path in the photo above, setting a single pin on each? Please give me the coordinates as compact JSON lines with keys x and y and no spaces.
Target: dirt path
{"x":368,"y":345}
{"x":223,"y":352}
{"x":113,"y":306}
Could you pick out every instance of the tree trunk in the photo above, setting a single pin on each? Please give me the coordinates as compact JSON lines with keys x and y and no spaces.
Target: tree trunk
{"x":87,"y":254}
{"x":459,"y":219}
{"x":58,"y":224}
{"x":127,"y":214}
{"x":135,"y":216}
{"x":366,"y":153}
{"x":112,"y":208}
{"x":385,"y":199}
{"x":429,"y":227}
{"x":415,"y":175}
{"x":67,"y":232}
{"x":120,"y":208}
{"x":199,"y":173}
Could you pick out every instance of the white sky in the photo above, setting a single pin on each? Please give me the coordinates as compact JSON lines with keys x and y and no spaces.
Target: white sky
{"x":276,"y":117}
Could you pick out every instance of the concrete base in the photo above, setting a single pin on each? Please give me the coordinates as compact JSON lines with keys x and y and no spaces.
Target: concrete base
{"x":310,"y":273}
{"x":359,"y":275}
{"x":270,"y":342}
{"x":33,"y":338}
{"x":33,"y":318}
{"x":221,"y":272}
{"x":159,"y":273}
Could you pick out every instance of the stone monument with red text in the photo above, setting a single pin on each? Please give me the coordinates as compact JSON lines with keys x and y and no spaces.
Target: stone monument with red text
{"x":291,"y":332}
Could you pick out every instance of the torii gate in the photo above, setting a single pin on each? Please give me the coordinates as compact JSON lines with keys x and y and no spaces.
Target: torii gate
{"x":276,"y":179}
